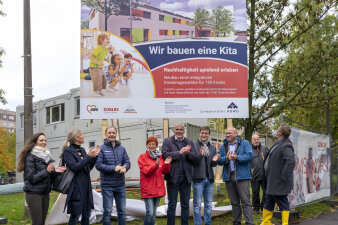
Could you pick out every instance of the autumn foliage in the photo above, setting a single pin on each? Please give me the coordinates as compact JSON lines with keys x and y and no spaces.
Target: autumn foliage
{"x":7,"y":150}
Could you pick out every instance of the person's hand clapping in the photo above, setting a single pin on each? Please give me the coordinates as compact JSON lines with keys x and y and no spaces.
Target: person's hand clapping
{"x":228,"y":155}
{"x":233,"y":156}
{"x":216,"y":157}
{"x":158,"y":160}
{"x":168,"y":160}
{"x":118,"y":168}
{"x":92,"y":153}
{"x":60,"y":169}
{"x":123,"y":169}
{"x":50,"y":167}
{"x":202,"y":150}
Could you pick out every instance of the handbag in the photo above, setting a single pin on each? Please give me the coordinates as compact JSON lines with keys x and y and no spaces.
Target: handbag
{"x":62,"y":181}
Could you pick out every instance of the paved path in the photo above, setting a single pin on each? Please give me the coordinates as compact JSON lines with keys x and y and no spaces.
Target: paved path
{"x":327,"y":219}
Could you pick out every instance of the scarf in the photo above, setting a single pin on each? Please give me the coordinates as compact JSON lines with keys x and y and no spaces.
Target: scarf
{"x":206,"y":149}
{"x":155,"y":154}
{"x":42,"y":153}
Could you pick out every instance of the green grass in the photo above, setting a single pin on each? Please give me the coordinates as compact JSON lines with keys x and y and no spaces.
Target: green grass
{"x":12,"y":207}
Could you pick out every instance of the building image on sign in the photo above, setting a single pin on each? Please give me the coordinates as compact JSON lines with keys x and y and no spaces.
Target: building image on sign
{"x":151,"y":24}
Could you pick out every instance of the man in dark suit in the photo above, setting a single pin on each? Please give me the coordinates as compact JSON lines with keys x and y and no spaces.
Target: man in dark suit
{"x":184,"y":155}
{"x":278,"y":168}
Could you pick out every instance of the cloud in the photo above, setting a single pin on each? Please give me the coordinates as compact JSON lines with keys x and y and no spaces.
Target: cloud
{"x":172,"y":7}
{"x":240,"y":12}
{"x":208,"y":3}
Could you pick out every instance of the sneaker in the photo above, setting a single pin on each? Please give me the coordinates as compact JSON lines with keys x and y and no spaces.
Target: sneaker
{"x":255,"y":211}
{"x":100,"y":93}
{"x":111,"y":89}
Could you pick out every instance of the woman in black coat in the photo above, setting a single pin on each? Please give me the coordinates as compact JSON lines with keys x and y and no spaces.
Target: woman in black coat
{"x":36,"y":162}
{"x":79,"y":198}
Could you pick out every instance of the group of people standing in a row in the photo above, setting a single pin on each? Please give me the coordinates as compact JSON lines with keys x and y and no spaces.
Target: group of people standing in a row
{"x":181,"y":161}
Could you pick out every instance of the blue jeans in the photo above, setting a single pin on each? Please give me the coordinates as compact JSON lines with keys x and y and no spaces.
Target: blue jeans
{"x":74,"y":218}
{"x":151,"y":206}
{"x":184,"y":188}
{"x":108,"y":195}
{"x":204,"y":188}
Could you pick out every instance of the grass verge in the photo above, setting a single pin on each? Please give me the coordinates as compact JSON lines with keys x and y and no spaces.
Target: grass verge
{"x":12,"y":207}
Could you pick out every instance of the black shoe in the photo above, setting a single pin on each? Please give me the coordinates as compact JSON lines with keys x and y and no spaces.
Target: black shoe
{"x":256,"y":211}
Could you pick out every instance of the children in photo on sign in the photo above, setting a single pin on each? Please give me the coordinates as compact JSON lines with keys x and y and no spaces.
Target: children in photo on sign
{"x":97,"y":57}
{"x":114,"y":72}
{"x":127,"y":67}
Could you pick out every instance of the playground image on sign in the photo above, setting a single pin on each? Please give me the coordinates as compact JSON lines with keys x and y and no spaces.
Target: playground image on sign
{"x":163,"y":59}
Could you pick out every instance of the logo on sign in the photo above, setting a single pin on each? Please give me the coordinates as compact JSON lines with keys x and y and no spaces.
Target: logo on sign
{"x":233,"y":108}
{"x":92,"y":108}
{"x":130,"y":109}
{"x":321,"y":144}
{"x":110,"y":109}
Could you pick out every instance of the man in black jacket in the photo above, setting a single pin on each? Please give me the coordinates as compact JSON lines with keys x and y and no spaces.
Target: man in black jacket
{"x":278,"y":168}
{"x":259,"y":152}
{"x":184,"y":156}
{"x":203,"y":176}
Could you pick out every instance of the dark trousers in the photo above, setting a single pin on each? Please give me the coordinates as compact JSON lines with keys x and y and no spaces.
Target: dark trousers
{"x":255,"y":187}
{"x":184,"y":188}
{"x":38,"y":207}
{"x":281,"y":200}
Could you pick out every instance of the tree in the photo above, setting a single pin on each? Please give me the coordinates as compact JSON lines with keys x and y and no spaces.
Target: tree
{"x":201,"y":17}
{"x":2,"y":51}
{"x":114,"y":7}
{"x":274,"y":26}
{"x":314,"y":54}
{"x":7,"y":150}
{"x":222,"y":20}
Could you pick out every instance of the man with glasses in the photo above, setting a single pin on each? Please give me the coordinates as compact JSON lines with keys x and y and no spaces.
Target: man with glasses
{"x":203,"y":176}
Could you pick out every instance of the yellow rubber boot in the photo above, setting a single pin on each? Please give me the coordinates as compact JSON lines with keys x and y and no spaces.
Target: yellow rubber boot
{"x":267,"y":215}
{"x":285,"y":217}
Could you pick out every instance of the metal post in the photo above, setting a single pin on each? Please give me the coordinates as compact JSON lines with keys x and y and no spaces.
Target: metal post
{"x":28,"y":96}
{"x":165,"y":128}
{"x":131,"y":22}
{"x":118,"y":130}
{"x":104,"y":125}
{"x":337,"y":175}
{"x":282,"y":119}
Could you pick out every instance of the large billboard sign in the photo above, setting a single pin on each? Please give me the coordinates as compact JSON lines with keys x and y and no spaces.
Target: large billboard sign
{"x":311,"y":175}
{"x":163,"y":59}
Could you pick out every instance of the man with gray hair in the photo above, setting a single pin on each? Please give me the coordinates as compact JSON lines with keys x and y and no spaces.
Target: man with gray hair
{"x":259,"y":152}
{"x":278,"y":168}
{"x":184,"y":156}
{"x":236,"y":155}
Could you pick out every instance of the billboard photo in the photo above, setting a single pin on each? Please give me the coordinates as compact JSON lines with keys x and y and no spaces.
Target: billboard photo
{"x":155,"y":59}
{"x":311,"y":175}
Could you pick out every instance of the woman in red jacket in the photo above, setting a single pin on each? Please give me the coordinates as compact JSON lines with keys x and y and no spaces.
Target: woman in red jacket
{"x":152,"y":168}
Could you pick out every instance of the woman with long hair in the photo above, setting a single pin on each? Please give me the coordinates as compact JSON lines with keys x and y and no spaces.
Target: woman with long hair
{"x":80,"y":197}
{"x":37,"y":164}
{"x":152,"y":168}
